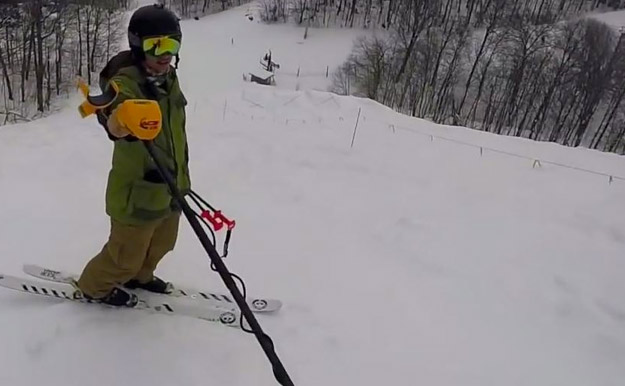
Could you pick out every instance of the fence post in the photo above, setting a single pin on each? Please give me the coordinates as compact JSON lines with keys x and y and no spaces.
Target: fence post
{"x":356,"y":127}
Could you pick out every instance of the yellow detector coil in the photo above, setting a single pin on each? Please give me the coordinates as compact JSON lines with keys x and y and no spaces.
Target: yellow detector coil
{"x":142,"y":117}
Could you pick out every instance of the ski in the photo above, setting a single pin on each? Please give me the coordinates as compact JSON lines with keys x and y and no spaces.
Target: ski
{"x":174,"y":306}
{"x":217,"y":299}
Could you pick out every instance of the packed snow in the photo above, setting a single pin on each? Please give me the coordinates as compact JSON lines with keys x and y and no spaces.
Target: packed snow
{"x":405,"y":252}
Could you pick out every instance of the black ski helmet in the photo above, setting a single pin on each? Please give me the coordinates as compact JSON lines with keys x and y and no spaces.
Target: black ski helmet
{"x":151,"y":20}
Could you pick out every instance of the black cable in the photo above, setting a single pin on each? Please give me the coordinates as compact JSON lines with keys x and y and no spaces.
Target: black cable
{"x":196,"y":198}
{"x":207,"y":226}
{"x":279,"y":371}
{"x":193,"y":197}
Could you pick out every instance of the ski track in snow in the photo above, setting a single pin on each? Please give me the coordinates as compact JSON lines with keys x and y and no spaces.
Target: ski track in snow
{"x":405,"y":259}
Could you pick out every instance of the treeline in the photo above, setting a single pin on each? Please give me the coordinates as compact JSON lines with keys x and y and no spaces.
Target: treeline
{"x":387,"y":14}
{"x":515,"y":67}
{"x":45,"y":45}
{"x":197,"y":8}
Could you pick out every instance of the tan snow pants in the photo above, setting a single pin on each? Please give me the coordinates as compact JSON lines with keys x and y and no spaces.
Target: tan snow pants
{"x":131,"y":252}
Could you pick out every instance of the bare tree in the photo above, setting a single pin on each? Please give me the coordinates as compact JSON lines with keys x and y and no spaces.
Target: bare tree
{"x":494,"y":17}
{"x":595,"y":62}
{"x":42,"y":46}
{"x":514,"y":67}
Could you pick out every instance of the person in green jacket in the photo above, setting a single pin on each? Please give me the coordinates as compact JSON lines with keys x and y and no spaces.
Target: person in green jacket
{"x":144,"y":219}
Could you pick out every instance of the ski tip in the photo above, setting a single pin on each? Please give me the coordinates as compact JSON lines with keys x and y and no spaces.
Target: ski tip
{"x":30,"y":268}
{"x":228,"y":318}
{"x":264,"y":305}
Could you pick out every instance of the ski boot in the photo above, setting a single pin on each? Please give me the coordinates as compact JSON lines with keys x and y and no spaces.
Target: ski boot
{"x":117,"y":297}
{"x":155,"y":285}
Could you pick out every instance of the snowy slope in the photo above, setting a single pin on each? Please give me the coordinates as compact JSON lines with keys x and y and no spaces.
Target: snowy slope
{"x":406,"y":259}
{"x":614,"y":19}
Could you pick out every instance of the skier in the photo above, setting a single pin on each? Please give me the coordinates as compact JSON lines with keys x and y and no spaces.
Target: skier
{"x":144,"y":219}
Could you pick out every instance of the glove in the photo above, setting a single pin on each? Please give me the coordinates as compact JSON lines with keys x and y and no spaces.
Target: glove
{"x":135,"y":118}
{"x":115,"y":127}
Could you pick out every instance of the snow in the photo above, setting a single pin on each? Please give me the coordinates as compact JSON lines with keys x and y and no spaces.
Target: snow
{"x":615,"y":19}
{"x":408,"y":258}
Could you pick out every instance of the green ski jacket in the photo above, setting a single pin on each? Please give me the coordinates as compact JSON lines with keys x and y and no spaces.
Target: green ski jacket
{"x":136,"y":192}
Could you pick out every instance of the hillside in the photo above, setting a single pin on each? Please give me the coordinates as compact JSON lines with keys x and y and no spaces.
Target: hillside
{"x":422,"y":254}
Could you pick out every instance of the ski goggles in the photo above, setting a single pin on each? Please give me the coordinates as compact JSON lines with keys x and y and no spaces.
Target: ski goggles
{"x":161,"y":45}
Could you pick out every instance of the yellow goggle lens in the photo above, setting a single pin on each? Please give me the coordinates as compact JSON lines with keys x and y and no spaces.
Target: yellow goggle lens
{"x":161,"y":45}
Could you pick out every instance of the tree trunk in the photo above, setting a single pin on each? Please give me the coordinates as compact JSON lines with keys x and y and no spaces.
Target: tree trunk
{"x":24,"y":70}
{"x":79,"y":42}
{"x":48,"y":80}
{"x":5,"y":73}
{"x":89,"y":69}
{"x":97,"y":21}
{"x":39,"y":61}
{"x":58,"y":62}
{"x":480,"y":89}
{"x":352,"y":13}
{"x":607,"y":119}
